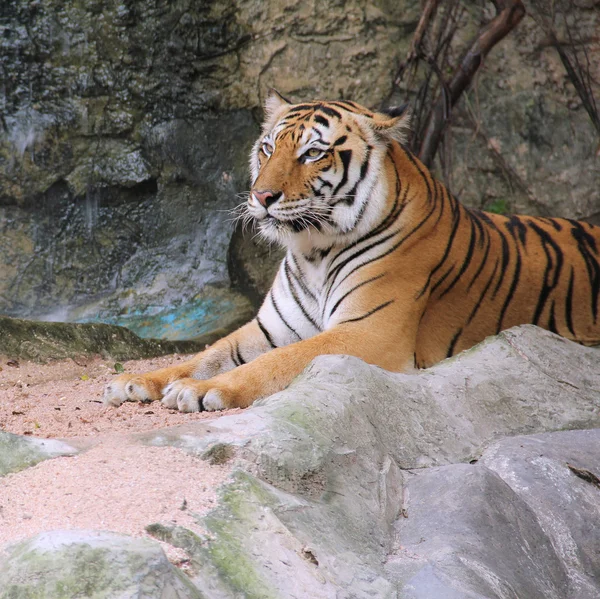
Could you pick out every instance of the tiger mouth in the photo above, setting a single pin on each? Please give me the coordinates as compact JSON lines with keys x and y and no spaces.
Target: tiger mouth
{"x":297,"y":225}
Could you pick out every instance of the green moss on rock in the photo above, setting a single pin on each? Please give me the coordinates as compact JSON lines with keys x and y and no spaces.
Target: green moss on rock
{"x":98,"y":565}
{"x":46,"y":341}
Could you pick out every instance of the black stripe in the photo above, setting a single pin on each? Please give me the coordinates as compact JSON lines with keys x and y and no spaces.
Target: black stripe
{"x":486,"y":253}
{"x":452,"y":345}
{"x":517,"y":228}
{"x":552,"y":270}
{"x":238,"y":354}
{"x":555,"y":224}
{"x":301,"y":108}
{"x":298,"y":279}
{"x":370,"y":313}
{"x":365,"y":165}
{"x":483,"y":294}
{"x":321,"y":120}
{"x":467,"y":260}
{"x":329,"y":111}
{"x":232,"y":355}
{"x":552,"y":320}
{"x":333,"y":273}
{"x":412,"y":159}
{"x":359,"y":216}
{"x":505,"y":259}
{"x":265,"y":333}
{"x":299,"y":303}
{"x":350,"y":197}
{"x":456,"y":208}
{"x":324,"y":183}
{"x":589,"y":252}
{"x":337,"y":304}
{"x":349,"y":106}
{"x":441,"y":280}
{"x":511,"y":291}
{"x":569,"y":304}
{"x":340,"y":140}
{"x":285,"y":322}
{"x":345,"y":157}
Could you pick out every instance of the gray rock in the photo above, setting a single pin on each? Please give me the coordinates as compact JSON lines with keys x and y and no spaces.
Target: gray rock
{"x":326,"y":469}
{"x":18,"y":453}
{"x":518,"y":523}
{"x":98,"y":565}
{"x":461,"y":481}
{"x":126,"y":132}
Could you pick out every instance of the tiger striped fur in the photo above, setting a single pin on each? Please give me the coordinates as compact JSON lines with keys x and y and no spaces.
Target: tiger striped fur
{"x":382,"y":263}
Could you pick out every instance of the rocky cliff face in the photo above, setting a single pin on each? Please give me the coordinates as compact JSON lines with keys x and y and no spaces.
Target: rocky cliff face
{"x":126,"y":128}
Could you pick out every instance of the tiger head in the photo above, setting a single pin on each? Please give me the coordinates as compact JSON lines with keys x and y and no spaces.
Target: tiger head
{"x":316,"y":170}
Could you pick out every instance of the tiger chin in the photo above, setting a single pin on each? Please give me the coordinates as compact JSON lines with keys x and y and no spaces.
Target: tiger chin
{"x":382,"y":263}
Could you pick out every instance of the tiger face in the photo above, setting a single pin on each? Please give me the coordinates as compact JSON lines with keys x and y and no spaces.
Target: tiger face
{"x":316,"y":171}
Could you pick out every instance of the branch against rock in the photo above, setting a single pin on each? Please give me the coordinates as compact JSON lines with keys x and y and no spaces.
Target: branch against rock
{"x":508,"y":15}
{"x":415,"y":47}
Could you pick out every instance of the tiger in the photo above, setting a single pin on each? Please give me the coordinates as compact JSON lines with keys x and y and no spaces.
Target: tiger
{"x":381,"y":263}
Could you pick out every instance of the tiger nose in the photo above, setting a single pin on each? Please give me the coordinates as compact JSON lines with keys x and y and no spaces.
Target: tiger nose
{"x":267,"y":196}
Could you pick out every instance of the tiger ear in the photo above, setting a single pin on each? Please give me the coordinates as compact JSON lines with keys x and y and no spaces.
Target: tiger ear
{"x":274,"y":102}
{"x":393,"y":123}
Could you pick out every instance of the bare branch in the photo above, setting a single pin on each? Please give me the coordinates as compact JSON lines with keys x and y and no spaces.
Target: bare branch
{"x":578,"y":75}
{"x":415,"y":47}
{"x":508,"y":15}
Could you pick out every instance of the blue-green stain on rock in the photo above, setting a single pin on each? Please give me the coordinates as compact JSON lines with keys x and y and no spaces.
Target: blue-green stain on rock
{"x":186,"y":322}
{"x":207,"y":312}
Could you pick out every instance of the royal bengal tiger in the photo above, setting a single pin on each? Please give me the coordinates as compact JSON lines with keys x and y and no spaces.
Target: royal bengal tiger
{"x":382,"y":263}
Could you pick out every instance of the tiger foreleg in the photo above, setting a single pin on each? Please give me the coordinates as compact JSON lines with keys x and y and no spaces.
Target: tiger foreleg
{"x":275,"y":370}
{"x":232,"y":351}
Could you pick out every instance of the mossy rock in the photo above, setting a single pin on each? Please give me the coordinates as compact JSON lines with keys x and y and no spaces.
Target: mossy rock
{"x":99,"y":565}
{"x":47,"y":341}
{"x":18,"y":453}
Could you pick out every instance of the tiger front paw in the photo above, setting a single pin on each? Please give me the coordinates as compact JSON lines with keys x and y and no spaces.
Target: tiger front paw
{"x":131,"y":387}
{"x":191,"y":395}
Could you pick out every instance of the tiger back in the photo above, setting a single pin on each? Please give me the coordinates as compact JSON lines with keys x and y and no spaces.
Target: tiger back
{"x":382,"y":263}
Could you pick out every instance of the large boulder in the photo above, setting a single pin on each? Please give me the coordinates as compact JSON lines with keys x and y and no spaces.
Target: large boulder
{"x":331,"y":464}
{"x":516,"y":523}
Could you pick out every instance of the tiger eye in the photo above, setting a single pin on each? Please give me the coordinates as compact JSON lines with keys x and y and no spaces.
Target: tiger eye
{"x":267,"y":149}
{"x":313,"y":153}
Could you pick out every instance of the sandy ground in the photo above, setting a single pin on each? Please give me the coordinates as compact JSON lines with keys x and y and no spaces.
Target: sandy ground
{"x":116,"y":484}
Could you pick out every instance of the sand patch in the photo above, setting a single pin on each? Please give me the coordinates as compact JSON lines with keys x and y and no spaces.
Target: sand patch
{"x":116,"y":484}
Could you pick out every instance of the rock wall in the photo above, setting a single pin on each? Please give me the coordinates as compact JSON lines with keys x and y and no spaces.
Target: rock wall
{"x":126,"y":127}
